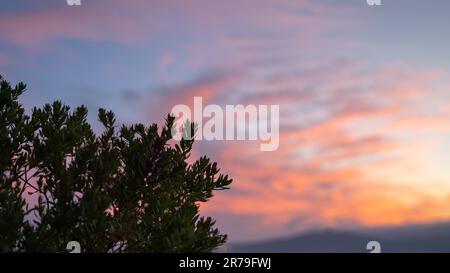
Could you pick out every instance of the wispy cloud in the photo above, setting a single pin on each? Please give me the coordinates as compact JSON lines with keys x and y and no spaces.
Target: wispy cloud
{"x":364,"y":132}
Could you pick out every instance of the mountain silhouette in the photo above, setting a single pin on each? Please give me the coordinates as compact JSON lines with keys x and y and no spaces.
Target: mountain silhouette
{"x":411,"y":238}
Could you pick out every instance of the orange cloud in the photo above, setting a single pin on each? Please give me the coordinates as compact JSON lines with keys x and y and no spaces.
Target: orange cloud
{"x":362,"y":142}
{"x":370,"y":163}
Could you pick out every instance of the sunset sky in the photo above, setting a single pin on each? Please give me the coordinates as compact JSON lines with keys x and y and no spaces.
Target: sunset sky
{"x":364,"y":95}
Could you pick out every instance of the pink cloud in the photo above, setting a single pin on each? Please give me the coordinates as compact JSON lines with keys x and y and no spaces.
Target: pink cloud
{"x":134,"y":24}
{"x":330,"y":171}
{"x":90,"y":22}
{"x":357,"y":143}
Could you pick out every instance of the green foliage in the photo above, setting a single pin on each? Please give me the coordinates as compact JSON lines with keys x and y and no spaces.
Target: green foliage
{"x":127,"y":190}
